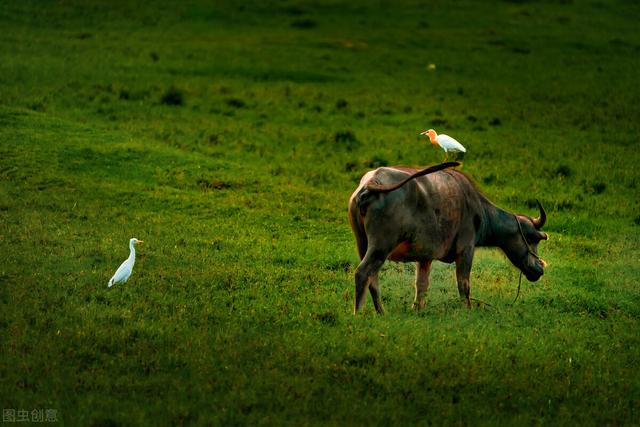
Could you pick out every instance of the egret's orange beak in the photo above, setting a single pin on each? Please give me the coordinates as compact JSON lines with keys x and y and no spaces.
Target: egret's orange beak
{"x":140,"y":241}
{"x":426,"y":132}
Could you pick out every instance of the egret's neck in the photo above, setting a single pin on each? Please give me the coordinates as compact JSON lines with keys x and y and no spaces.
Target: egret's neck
{"x":132,"y":249}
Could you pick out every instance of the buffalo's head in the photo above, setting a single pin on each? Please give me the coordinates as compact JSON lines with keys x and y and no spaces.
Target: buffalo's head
{"x":522,"y":245}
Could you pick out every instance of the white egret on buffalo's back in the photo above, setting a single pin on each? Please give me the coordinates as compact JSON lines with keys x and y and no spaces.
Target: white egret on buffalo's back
{"x":447,"y":143}
{"x":124,"y":271}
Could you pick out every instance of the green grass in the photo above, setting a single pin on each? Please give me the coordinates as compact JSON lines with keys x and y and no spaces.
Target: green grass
{"x":229,"y":138}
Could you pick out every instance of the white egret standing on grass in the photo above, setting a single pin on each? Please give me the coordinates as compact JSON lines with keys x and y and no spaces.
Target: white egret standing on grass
{"x":447,"y":143}
{"x":124,"y":271}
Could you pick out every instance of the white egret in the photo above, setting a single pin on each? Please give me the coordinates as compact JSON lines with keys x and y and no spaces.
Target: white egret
{"x":447,"y":143}
{"x":124,"y":271}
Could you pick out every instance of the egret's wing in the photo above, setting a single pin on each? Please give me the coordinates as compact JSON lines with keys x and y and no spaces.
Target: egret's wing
{"x":450,"y":143}
{"x":122,"y":273}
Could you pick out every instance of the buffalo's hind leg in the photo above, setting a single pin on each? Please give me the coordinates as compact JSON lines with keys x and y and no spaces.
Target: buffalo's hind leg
{"x":422,"y":283}
{"x":367,"y":275}
{"x":464,"y":260}
{"x":374,"y":284}
{"x":374,"y":289}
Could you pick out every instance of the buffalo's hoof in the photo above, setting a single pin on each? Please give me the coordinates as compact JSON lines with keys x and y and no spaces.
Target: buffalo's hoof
{"x":417,"y":306}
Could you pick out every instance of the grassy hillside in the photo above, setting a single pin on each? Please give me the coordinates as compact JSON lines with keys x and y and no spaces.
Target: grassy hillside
{"x":229,"y":138}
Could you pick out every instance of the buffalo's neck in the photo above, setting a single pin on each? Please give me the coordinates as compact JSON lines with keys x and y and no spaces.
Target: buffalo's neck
{"x":497,"y":224}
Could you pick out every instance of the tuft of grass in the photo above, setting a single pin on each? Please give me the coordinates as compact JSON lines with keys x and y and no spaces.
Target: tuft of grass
{"x":173,"y":96}
{"x":341,"y":104}
{"x":235,"y":102}
{"x":564,"y":171}
{"x":304,"y":23}
{"x":346,"y":139}
{"x":597,"y":187}
{"x":377,"y":161}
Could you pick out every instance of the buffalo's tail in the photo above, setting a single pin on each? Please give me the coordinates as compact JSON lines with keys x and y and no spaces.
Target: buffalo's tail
{"x":357,"y":210}
{"x":376,"y":188}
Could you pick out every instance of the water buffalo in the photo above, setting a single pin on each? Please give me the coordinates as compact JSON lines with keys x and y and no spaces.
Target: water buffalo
{"x":410,"y":215}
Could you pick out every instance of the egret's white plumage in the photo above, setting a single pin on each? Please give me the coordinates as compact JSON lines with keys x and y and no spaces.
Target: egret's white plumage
{"x":124,"y":271}
{"x":447,"y":143}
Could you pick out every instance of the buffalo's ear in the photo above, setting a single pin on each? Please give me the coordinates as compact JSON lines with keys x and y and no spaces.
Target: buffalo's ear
{"x":538,"y":223}
{"x":542,"y":236}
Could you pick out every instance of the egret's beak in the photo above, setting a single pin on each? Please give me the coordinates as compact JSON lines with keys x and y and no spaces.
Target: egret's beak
{"x":544,"y":263}
{"x":140,"y":241}
{"x":424,"y":133}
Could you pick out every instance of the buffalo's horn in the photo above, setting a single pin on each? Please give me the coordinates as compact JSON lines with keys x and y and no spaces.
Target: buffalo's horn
{"x":538,"y":223}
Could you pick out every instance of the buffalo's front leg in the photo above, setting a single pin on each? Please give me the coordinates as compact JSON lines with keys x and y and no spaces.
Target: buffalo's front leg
{"x":463,"y":271}
{"x":422,"y":283}
{"x":365,"y":273}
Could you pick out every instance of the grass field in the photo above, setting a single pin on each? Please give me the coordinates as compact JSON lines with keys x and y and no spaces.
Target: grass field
{"x":229,"y":136}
